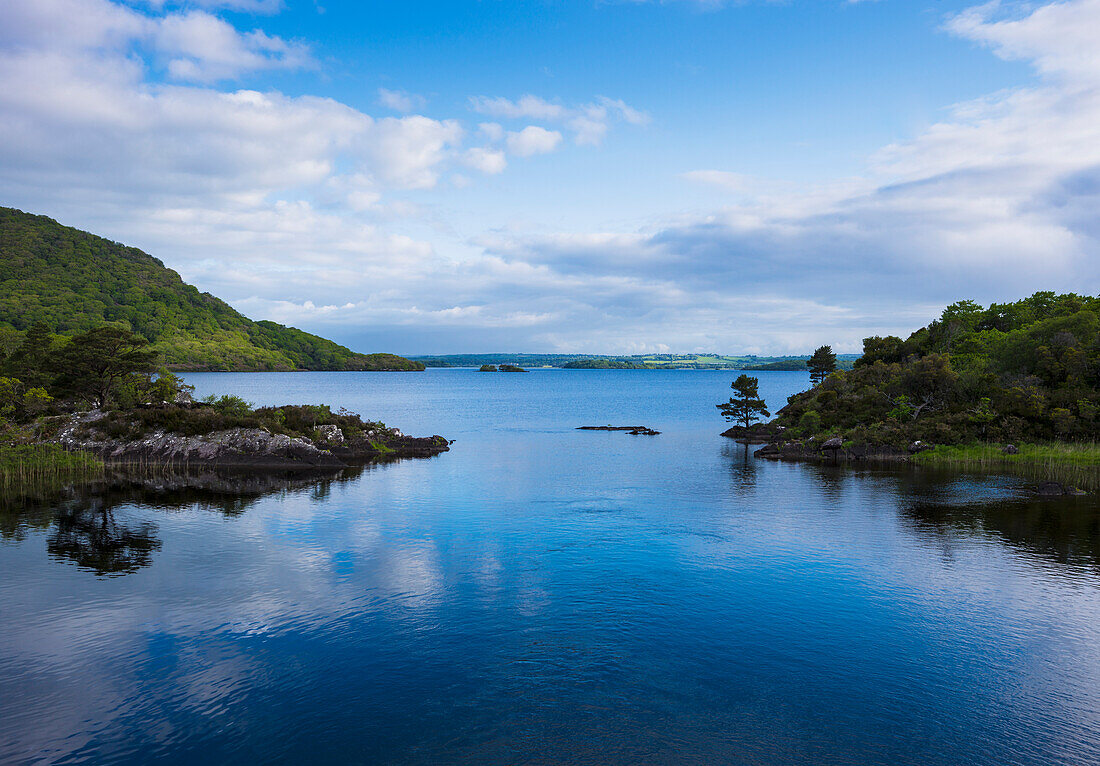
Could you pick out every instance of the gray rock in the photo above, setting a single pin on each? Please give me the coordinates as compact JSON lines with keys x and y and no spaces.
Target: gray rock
{"x":330,"y":434}
{"x":835,"y":443}
{"x":918,"y":446}
{"x":1010,"y":449}
{"x":183,"y":398}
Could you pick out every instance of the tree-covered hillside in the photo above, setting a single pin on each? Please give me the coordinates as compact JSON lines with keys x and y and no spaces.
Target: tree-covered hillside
{"x":71,"y":281}
{"x":1028,"y":370}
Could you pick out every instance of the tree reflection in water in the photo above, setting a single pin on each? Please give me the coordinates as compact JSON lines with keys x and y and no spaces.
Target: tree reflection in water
{"x":85,"y":529}
{"x":89,"y":535}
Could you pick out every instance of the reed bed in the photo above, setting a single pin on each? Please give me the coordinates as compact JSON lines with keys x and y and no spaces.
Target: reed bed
{"x":1074,"y":464}
{"x":28,"y":465}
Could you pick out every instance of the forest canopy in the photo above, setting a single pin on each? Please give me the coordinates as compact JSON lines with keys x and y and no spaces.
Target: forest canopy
{"x":1024,"y":370}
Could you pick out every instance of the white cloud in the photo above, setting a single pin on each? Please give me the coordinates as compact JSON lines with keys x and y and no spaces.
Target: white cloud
{"x":202,"y":48}
{"x":400,"y":101}
{"x":993,"y":203}
{"x":193,"y":45}
{"x":488,"y":161}
{"x":1058,"y":38}
{"x":589,"y":122}
{"x":533,"y":140}
{"x":527,"y":106}
{"x":245,"y":6}
{"x":491,"y":130}
{"x":407,"y":151}
{"x":285,"y":204}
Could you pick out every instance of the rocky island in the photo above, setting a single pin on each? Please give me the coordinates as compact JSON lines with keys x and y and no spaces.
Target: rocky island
{"x":274,"y":438}
{"x":632,"y":430}
{"x":70,"y":404}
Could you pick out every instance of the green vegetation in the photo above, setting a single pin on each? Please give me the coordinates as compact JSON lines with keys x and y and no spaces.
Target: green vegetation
{"x":787,"y":365}
{"x":822,"y":364}
{"x":1024,"y":371}
{"x":222,"y":413}
{"x":985,"y":454}
{"x":106,"y":366}
{"x":604,"y":364}
{"x":745,"y":406}
{"x":23,"y":465}
{"x":68,"y":282}
{"x":501,"y":368}
{"x":1073,"y":464}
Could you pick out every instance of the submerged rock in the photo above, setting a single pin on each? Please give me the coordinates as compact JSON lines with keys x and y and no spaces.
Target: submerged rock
{"x":1057,"y":489}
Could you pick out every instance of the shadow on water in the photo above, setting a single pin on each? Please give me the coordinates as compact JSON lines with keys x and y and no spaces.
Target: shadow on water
{"x":1062,"y":530}
{"x":944,"y":503}
{"x":742,"y":468}
{"x":86,"y":527}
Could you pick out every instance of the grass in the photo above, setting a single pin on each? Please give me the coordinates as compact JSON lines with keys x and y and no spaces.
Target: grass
{"x":1075,"y":464}
{"x":27,"y":465}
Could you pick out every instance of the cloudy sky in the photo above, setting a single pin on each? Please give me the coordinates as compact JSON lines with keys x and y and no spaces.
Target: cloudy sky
{"x":611,"y":176}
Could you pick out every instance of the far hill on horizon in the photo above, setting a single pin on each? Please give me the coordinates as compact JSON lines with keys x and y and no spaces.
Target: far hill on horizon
{"x":633,"y":362}
{"x":71,"y":281}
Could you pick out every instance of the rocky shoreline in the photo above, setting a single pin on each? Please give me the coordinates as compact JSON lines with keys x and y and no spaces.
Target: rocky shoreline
{"x":245,"y":448}
{"x":834,"y":451}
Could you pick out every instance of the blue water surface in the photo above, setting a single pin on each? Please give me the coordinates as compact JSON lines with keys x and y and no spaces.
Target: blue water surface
{"x":545,"y":595}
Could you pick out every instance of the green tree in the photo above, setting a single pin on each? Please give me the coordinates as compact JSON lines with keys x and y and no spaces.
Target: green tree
{"x":822,"y":364}
{"x":745,"y":406}
{"x":97,"y":362}
{"x":31,"y":361}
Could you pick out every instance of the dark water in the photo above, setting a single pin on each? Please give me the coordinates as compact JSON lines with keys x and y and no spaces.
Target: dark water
{"x":543,"y":595}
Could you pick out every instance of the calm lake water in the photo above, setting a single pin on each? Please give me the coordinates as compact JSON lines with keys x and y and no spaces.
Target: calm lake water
{"x":543,"y":595}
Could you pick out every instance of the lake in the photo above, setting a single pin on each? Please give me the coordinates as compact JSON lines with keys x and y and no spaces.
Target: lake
{"x":546,"y":595}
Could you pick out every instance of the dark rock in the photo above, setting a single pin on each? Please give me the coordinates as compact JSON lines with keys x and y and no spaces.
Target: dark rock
{"x":1010,"y":449}
{"x":1057,"y":489}
{"x":633,"y":430}
{"x":768,"y":451}
{"x":919,"y":446}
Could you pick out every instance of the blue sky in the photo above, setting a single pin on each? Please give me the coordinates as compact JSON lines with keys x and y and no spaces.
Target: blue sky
{"x":617,"y":177}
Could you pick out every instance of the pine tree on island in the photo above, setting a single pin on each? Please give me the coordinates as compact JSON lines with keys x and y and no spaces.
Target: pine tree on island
{"x":745,"y":406}
{"x":821,"y":364}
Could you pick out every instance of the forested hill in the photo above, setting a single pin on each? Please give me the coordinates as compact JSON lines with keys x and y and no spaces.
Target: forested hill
{"x":72,"y":281}
{"x":1028,"y":370}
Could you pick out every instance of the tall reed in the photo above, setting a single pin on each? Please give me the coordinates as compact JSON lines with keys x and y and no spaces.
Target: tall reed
{"x":1075,"y":464}
{"x":27,"y":465}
